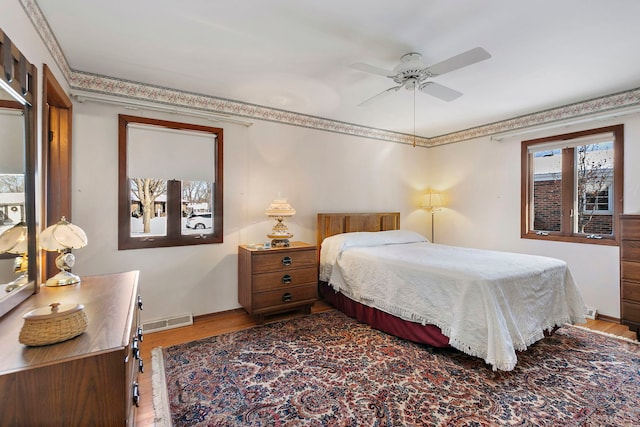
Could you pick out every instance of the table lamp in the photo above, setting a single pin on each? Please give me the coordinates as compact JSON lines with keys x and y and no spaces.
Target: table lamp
{"x":62,"y":237}
{"x":14,"y":241}
{"x":279,"y":209}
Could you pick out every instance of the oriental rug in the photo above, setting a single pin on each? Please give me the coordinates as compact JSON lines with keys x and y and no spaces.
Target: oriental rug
{"x":327,"y":369}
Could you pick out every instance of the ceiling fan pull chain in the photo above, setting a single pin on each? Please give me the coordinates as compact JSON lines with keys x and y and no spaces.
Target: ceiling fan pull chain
{"x":414,"y":116}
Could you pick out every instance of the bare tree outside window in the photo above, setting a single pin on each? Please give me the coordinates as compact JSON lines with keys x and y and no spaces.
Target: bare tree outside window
{"x":147,"y":191}
{"x":11,"y":183}
{"x":594,"y":168}
{"x":197,"y":192}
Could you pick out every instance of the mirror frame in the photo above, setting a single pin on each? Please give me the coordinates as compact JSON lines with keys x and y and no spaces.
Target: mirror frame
{"x":19,"y":78}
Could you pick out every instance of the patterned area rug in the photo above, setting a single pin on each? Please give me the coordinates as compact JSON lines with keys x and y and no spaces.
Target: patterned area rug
{"x":326,"y":369}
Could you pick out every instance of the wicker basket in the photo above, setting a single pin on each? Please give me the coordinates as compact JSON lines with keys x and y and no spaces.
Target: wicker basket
{"x":53,"y":324}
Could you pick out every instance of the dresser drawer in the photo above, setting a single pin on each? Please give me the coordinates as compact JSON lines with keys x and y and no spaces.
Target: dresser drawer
{"x":631,"y":311}
{"x":631,"y":291}
{"x":278,"y":299}
{"x":630,"y":270}
{"x":630,"y":227}
{"x":279,"y":279}
{"x":283,"y":260}
{"x":630,"y":250}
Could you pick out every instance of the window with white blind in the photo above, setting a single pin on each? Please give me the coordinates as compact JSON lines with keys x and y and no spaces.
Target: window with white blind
{"x":572,"y":186}
{"x":170,"y":183}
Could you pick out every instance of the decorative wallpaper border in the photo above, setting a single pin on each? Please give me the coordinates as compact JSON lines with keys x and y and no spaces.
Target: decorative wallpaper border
{"x":176,"y":98}
{"x":173,"y":97}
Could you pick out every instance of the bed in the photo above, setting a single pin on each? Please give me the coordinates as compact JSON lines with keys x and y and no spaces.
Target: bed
{"x":487,"y":304}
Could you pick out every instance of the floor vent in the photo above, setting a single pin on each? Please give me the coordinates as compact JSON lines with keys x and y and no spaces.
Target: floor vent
{"x":168,"y":323}
{"x":590,"y":313}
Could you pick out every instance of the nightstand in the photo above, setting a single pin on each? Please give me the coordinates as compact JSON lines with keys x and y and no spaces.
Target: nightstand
{"x":279,"y":279}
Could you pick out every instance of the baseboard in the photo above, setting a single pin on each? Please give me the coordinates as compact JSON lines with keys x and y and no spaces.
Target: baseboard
{"x":608,"y":318}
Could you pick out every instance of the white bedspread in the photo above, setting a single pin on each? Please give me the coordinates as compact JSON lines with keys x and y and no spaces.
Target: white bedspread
{"x":488,"y":303}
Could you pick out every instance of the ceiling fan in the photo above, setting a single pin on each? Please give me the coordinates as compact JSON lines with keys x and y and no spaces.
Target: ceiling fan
{"x":413,"y":74}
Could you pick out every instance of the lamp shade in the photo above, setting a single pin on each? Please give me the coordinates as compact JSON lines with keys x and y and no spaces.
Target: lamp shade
{"x":63,"y":235}
{"x":279,"y":208}
{"x":432,"y":201}
{"x":14,"y":240}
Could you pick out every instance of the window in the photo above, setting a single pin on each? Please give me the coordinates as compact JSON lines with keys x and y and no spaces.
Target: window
{"x":572,"y":186}
{"x":170,"y":183}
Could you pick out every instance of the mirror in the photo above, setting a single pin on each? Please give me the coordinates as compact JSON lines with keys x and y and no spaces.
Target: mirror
{"x":18,"y":254}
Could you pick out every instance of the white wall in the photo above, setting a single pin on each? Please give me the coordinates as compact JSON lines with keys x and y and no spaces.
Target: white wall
{"x":317,"y":171}
{"x":481,"y":181}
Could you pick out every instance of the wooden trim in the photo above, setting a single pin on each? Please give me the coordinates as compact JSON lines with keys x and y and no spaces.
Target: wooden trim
{"x":608,"y":318}
{"x":57,"y":114}
{"x":16,"y":71}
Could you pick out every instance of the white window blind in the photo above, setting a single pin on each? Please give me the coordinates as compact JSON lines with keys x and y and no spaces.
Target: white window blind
{"x":12,"y":156}
{"x":163,"y":153}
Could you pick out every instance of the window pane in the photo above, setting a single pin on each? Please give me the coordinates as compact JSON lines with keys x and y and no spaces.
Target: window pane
{"x":547,"y":190}
{"x":197,"y":206}
{"x":148,"y":207}
{"x":594,"y":177}
{"x":11,"y":200}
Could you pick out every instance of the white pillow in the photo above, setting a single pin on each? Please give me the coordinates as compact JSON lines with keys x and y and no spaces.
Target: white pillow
{"x":332,"y":246}
{"x":394,"y":237}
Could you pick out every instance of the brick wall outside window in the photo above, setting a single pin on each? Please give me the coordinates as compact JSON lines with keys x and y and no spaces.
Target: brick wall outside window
{"x":547,"y":213}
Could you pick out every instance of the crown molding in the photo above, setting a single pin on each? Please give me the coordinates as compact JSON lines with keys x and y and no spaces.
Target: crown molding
{"x":42,"y":27}
{"x":164,"y":96}
{"x":106,"y":85}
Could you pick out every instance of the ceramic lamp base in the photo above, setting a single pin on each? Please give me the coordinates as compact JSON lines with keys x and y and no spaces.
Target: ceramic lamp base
{"x":63,"y":278}
{"x":280,"y":243}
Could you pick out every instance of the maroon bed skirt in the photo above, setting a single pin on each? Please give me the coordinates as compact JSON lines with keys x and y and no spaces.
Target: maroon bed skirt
{"x":424,"y":334}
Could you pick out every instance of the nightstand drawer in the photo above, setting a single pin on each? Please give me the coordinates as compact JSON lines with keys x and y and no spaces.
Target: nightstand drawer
{"x":278,"y":279}
{"x":631,"y":312}
{"x":630,"y":227}
{"x":630,"y":250}
{"x":283,"y":260}
{"x":290,"y":296}
{"x":630,"y":270}
{"x":631,"y":291}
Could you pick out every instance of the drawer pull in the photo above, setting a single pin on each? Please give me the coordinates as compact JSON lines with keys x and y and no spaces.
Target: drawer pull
{"x":287,"y":261}
{"x":139,"y":333}
{"x":286,"y":279}
{"x":287,"y":297}
{"x":139,"y":302}
{"x":135,"y":347}
{"x":140,"y":366}
{"x":136,"y":394}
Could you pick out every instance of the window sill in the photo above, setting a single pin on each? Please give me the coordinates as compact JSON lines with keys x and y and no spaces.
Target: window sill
{"x":606,"y":241}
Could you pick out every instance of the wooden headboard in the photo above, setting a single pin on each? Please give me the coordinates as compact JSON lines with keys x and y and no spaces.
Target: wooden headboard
{"x":330,"y":224}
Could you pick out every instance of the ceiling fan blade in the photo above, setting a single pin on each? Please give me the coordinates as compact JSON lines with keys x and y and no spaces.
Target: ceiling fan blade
{"x":459,"y":61}
{"x":440,"y":91}
{"x":381,"y":95}
{"x":372,"y":69}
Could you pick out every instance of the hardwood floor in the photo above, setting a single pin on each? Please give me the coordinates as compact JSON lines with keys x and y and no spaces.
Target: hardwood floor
{"x":235,"y":320}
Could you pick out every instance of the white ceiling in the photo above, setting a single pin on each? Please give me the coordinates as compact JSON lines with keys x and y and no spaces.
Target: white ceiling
{"x":296,"y":54}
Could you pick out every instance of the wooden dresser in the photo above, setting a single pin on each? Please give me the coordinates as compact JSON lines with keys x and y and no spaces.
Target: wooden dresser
{"x":89,"y":380}
{"x":630,"y":271}
{"x":278,"y":279}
